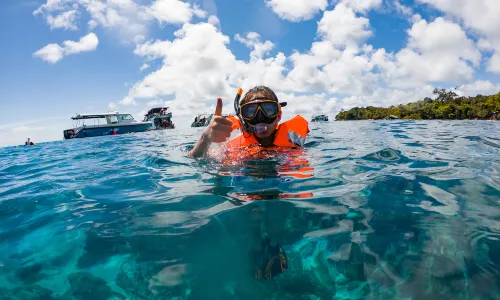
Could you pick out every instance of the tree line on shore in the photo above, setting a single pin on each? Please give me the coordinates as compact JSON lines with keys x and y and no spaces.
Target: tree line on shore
{"x":447,"y":106}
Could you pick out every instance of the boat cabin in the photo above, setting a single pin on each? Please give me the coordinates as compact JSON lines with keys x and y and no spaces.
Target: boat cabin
{"x":160,"y":117}
{"x":103,"y":119}
{"x":86,"y":125}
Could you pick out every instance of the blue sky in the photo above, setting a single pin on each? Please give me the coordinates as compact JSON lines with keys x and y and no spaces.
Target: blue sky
{"x":368,"y":52}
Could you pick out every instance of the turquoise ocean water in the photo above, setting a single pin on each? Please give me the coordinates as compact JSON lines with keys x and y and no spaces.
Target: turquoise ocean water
{"x":369,"y":210}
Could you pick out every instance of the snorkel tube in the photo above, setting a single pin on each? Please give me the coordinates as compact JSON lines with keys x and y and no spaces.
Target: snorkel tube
{"x":244,"y":126}
{"x":237,"y":108}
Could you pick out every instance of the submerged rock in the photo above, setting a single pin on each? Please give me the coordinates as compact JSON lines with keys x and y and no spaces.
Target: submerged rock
{"x":30,"y":274}
{"x":87,"y":286}
{"x":28,"y":292}
{"x":98,"y":248}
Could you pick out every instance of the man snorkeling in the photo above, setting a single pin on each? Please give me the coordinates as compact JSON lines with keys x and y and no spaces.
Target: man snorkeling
{"x":258,"y":115}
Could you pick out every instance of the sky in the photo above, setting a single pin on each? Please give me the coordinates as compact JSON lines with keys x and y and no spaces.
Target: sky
{"x":62,"y":57}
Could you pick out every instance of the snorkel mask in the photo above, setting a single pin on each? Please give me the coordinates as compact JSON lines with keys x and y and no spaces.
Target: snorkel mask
{"x":255,"y":113}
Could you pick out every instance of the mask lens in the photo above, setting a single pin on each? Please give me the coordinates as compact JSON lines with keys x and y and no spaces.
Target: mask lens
{"x":270,"y":108}
{"x":248,"y":111}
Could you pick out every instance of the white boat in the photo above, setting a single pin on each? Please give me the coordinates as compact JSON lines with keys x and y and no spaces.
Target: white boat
{"x":111,"y":123}
{"x":202,"y":120}
{"x":160,"y":118}
{"x":319,"y":118}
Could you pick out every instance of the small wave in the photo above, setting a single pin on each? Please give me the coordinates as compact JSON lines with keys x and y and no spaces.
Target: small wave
{"x":387,"y":155}
{"x":313,"y":144}
{"x":422,"y":164}
{"x":401,"y":136}
{"x":414,"y":144}
{"x":163,"y":162}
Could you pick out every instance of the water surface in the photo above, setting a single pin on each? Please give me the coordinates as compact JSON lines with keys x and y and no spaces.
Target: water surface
{"x":369,"y":210}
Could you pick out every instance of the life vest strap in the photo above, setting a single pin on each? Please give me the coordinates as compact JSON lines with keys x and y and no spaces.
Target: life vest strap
{"x":296,"y":139}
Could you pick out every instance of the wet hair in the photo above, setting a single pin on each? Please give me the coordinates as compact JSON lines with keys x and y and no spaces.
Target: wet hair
{"x":259,"y":92}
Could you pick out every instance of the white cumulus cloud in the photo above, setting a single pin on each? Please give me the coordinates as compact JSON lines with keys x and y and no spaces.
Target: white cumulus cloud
{"x":53,"y":53}
{"x":252,"y":40}
{"x":53,"y":6}
{"x":65,"y":20}
{"x":443,"y":37}
{"x":339,"y":70}
{"x":130,"y":18}
{"x":362,"y":5}
{"x":494,"y":62}
{"x":195,"y":67}
{"x":482,"y":87}
{"x":297,"y":10}
{"x":402,"y":9}
{"x":171,"y":11}
{"x":481,"y":16}
{"x":214,"y":21}
{"x":85,"y":44}
{"x":438,"y":51}
{"x":342,"y":27}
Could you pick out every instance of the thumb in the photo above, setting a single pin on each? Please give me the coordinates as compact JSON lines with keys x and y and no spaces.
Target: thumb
{"x":218,"y":108}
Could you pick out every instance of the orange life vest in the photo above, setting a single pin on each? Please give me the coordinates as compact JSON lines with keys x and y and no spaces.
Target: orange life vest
{"x":291,"y":133}
{"x":290,"y":137}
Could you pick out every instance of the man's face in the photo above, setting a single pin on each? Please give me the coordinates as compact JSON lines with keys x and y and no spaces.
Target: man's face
{"x":271,"y":127}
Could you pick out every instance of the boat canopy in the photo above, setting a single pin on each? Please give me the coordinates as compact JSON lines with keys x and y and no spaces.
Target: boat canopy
{"x":203,"y":115}
{"x":156,"y":110}
{"x":96,"y":116}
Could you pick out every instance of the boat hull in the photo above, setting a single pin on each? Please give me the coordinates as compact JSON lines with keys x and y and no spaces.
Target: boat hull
{"x":163,"y":128}
{"x":202,"y":122}
{"x":198,"y":124}
{"x":91,"y":131}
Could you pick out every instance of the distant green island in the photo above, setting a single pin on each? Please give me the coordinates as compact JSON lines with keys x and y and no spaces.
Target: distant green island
{"x":447,"y":106}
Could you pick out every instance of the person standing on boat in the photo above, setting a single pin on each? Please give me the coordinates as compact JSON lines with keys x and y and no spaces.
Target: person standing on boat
{"x":29,"y":142}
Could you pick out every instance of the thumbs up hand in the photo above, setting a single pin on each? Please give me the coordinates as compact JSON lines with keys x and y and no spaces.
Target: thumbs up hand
{"x":220,"y":128}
